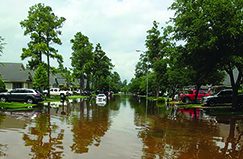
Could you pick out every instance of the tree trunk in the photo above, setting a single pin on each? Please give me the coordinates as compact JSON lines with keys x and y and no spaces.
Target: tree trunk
{"x":198,"y":86}
{"x":81,"y":83}
{"x":235,"y":84}
{"x":48,"y":74}
{"x":88,"y":83}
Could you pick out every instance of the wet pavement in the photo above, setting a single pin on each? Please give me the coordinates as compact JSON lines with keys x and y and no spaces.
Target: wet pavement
{"x":123,"y":128}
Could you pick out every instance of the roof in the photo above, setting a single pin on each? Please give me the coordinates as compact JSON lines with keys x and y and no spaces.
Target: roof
{"x":14,"y":72}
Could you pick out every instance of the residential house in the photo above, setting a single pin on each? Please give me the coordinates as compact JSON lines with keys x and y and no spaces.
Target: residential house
{"x":15,"y":75}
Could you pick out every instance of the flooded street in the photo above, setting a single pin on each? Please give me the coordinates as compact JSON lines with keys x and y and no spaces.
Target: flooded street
{"x":124,"y":128}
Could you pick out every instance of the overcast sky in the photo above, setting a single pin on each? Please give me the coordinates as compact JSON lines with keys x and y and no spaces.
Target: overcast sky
{"x":118,"y":25}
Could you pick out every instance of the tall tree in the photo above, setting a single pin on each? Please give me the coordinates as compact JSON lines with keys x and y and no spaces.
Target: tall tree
{"x":102,"y":67}
{"x":212,"y":30}
{"x":1,"y":45}
{"x":115,"y":83}
{"x":43,"y":26}
{"x":40,"y":76}
{"x":141,"y":66}
{"x":156,"y":46}
{"x":2,"y":85}
{"x":82,"y":57}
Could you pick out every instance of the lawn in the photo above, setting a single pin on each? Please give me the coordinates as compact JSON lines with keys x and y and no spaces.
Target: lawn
{"x":57,"y":98}
{"x":15,"y":105}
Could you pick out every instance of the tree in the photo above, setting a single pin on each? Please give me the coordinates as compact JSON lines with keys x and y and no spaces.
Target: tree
{"x":124,"y":87}
{"x":43,"y":26}
{"x":2,"y":85}
{"x":156,"y":45}
{"x":115,"y":83}
{"x":212,"y":31}
{"x":82,"y":57}
{"x":40,"y":78}
{"x":68,"y":76}
{"x":1,"y":45}
{"x":101,"y":68}
{"x":141,"y":66}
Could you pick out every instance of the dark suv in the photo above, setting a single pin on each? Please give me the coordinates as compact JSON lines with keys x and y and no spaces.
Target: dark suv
{"x":21,"y":95}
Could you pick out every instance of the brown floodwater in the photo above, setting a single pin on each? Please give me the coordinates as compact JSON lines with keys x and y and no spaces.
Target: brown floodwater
{"x":123,"y":128}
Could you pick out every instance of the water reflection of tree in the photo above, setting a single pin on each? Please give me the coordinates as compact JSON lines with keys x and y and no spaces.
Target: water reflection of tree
{"x":89,"y":126}
{"x":41,"y":138}
{"x":183,"y":138}
{"x":234,"y":142}
{"x":2,"y":147}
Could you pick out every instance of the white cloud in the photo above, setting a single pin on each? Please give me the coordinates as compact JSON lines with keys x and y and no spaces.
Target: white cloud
{"x":119,"y":25}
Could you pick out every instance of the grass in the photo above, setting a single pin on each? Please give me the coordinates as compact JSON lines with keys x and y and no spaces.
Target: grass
{"x":184,"y":105}
{"x":57,"y":98}
{"x":15,"y":105}
{"x":76,"y":96}
{"x":160,"y":99}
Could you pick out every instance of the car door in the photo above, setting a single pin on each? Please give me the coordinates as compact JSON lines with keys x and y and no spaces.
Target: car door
{"x":13,"y":95}
{"x":20,"y":95}
{"x":201,"y":94}
{"x":224,"y":97}
{"x":228,"y":97}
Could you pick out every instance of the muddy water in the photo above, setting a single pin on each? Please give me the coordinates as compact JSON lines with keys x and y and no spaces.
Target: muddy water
{"x":124,"y":128}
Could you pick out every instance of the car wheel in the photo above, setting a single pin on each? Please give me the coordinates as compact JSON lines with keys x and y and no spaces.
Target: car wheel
{"x":30,"y":100}
{"x":211,"y":103}
{"x":3,"y":99}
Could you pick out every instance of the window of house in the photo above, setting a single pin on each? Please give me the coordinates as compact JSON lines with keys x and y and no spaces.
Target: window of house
{"x":17,"y":85}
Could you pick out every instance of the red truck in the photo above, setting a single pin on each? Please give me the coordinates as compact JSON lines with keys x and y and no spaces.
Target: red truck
{"x":191,"y":94}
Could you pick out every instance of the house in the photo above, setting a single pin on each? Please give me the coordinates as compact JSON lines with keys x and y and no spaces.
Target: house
{"x":15,"y":75}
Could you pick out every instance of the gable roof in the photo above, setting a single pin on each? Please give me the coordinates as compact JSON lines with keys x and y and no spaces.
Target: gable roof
{"x":14,"y":72}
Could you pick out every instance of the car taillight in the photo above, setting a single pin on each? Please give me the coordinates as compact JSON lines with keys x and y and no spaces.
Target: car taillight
{"x":37,"y":94}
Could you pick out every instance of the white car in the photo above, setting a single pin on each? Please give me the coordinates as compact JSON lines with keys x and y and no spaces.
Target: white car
{"x":100,"y":98}
{"x":58,"y":91}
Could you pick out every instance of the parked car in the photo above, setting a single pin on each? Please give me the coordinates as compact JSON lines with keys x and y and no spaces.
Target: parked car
{"x":58,"y":91}
{"x":222,"y":97}
{"x":21,"y":95}
{"x":191,"y":94}
{"x":100,"y":98}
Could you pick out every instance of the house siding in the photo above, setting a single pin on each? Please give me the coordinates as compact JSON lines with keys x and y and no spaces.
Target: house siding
{"x":8,"y":86}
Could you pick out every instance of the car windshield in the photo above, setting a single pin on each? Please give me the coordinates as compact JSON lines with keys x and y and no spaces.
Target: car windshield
{"x":101,"y":95}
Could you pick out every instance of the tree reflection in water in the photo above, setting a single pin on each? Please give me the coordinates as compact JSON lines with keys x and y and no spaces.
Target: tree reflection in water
{"x":2,"y":147}
{"x":89,"y":126}
{"x":43,"y":138}
{"x":166,"y":136}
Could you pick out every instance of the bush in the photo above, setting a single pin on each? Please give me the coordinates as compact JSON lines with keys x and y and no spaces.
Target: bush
{"x":2,"y":86}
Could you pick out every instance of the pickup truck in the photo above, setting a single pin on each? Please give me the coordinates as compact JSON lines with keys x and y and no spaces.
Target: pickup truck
{"x":58,"y":91}
{"x":222,"y":97}
{"x":191,"y":94}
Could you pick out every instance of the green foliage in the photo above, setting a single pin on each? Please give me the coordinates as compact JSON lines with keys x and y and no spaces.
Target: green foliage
{"x":40,"y":78}
{"x":134,"y":85}
{"x":101,"y":69}
{"x":115,"y":82}
{"x":67,"y":74}
{"x":124,"y":86}
{"x":2,"y":85}
{"x":43,"y":27}
{"x":1,"y":45}
{"x":82,"y":57}
{"x":212,"y":31}
{"x":141,"y":66}
{"x":154,"y":44}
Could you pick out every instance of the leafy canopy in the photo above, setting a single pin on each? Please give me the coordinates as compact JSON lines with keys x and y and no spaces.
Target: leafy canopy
{"x":43,"y":27}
